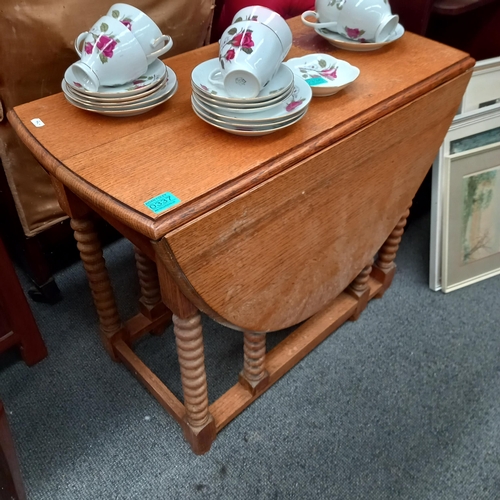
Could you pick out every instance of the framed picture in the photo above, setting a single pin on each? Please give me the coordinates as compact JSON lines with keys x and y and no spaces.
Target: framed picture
{"x":471,"y":217}
{"x":484,"y":86}
{"x":468,"y":131}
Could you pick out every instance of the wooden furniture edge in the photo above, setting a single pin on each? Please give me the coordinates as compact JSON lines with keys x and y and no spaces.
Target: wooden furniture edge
{"x":155,"y":229}
{"x":170,"y":262}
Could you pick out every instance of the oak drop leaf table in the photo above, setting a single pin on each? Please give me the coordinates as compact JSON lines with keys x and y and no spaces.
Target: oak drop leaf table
{"x":300,"y":227}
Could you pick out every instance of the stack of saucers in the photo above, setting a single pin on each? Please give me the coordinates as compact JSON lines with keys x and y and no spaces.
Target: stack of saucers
{"x":283,"y":102}
{"x":156,"y":86}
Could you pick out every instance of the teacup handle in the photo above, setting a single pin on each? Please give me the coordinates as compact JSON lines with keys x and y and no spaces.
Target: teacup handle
{"x":79,"y":39}
{"x":329,"y":25}
{"x":157,"y":53}
{"x":212,"y":77}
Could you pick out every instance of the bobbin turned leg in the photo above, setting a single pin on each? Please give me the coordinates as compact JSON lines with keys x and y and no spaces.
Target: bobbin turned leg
{"x":104,"y":300}
{"x":150,"y":303}
{"x":360,"y":290}
{"x":384,"y":267}
{"x":200,"y":430}
{"x":254,"y":376}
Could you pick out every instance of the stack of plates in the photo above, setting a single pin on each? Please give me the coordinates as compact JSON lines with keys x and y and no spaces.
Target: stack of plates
{"x":282,"y":103}
{"x":155,"y":87}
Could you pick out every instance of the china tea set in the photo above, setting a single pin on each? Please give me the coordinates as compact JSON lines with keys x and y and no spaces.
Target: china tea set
{"x":119,"y":73}
{"x":357,"y":25}
{"x":248,"y":89}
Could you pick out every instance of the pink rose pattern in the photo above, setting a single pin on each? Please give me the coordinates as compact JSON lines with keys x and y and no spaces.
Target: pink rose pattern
{"x":142,"y":81}
{"x":329,"y":74}
{"x":293,"y":105}
{"x":206,"y":89}
{"x":105,"y":44}
{"x":242,"y":40}
{"x":295,"y":102}
{"x":126,"y":21}
{"x":353,"y":33}
{"x":229,"y":55}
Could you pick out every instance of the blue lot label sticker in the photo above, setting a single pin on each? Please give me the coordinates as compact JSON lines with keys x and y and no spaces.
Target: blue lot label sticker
{"x":316,"y":81}
{"x":162,"y":202}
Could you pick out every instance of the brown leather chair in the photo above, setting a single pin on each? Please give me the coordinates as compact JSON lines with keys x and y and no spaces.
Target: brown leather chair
{"x":40,"y":33}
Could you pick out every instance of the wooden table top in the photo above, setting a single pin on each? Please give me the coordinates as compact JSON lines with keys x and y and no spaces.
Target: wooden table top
{"x":117,"y":164}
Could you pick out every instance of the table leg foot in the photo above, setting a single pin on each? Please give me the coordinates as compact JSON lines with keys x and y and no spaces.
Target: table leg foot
{"x":111,"y":328}
{"x":384,"y":268}
{"x":360,"y":290}
{"x":200,"y":438}
{"x":254,"y":377}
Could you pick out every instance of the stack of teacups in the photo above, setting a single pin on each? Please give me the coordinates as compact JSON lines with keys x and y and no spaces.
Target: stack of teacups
{"x":119,"y":73}
{"x":248,"y":90}
{"x":364,"y":21}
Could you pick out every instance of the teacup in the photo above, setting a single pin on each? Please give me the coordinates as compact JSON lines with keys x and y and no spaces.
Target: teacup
{"x":111,"y":55}
{"x":142,"y":27}
{"x":364,"y":20}
{"x":326,"y":13}
{"x":269,"y":18}
{"x":250,"y":54}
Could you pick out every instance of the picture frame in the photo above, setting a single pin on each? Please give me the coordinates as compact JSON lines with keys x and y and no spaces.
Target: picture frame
{"x":463,"y":135}
{"x":484,"y":86}
{"x":471,"y":217}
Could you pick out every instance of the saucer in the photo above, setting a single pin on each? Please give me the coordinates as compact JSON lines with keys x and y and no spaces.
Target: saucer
{"x":126,"y":99}
{"x":341,"y":42}
{"x":130,"y":109}
{"x":325,"y":74}
{"x":249,"y":130}
{"x":280,"y":83}
{"x":292,"y":106}
{"x":126,"y":112}
{"x":155,"y":72}
{"x":113,"y":101}
{"x":241,"y":108}
{"x":160,"y":92}
{"x":232,"y":122}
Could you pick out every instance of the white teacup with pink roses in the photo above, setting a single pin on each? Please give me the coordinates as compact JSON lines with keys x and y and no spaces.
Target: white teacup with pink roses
{"x":111,"y":55}
{"x":366,"y":20}
{"x":359,"y":20}
{"x":145,"y":30}
{"x":250,"y":54}
{"x":269,"y":18}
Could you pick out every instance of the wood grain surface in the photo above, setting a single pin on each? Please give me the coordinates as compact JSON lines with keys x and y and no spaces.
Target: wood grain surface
{"x":279,"y":253}
{"x":118,"y":164}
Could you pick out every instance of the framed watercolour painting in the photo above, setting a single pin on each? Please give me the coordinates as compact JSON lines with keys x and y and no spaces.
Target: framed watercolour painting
{"x":469,"y":131}
{"x":471,"y":217}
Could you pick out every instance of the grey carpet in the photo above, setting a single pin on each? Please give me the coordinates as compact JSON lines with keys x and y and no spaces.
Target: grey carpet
{"x":402,"y":404}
